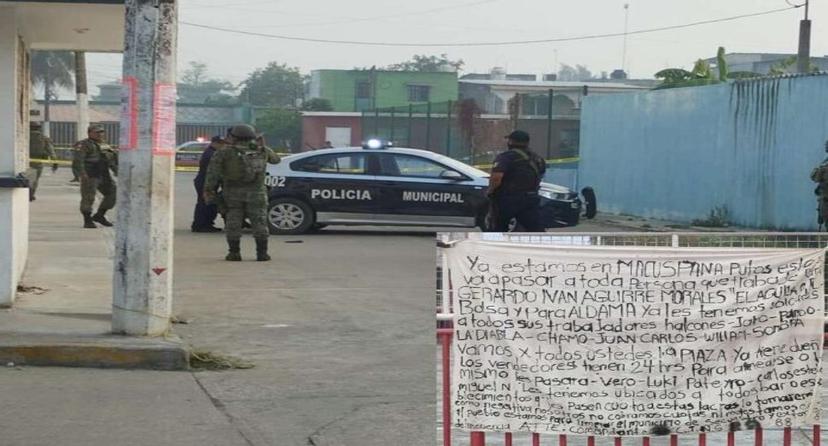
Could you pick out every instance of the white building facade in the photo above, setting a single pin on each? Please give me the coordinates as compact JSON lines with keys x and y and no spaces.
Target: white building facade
{"x":25,"y":26}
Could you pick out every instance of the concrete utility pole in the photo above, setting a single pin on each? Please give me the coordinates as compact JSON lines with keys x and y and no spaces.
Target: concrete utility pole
{"x":803,"y":59}
{"x":626,"y":29}
{"x":47,"y":102}
{"x":81,"y":97}
{"x":142,"y":295}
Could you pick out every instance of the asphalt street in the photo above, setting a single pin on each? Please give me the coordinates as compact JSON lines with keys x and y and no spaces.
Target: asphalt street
{"x":339,"y":326}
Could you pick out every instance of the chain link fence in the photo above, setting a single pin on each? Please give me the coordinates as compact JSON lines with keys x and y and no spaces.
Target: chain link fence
{"x":460,"y":130}
{"x":64,"y":134}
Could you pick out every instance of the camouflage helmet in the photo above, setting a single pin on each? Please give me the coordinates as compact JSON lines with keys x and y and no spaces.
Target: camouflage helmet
{"x":243,"y":132}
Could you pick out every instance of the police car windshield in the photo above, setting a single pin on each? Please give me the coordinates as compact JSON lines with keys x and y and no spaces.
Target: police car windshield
{"x":463,"y":167}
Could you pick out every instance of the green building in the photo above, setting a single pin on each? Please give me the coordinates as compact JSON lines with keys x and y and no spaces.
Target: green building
{"x":358,"y":90}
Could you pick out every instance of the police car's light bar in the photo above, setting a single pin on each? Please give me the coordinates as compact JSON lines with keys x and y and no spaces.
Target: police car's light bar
{"x":375,"y":144}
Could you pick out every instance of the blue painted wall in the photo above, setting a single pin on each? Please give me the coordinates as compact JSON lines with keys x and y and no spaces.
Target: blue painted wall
{"x":562,"y":174}
{"x":676,"y":154}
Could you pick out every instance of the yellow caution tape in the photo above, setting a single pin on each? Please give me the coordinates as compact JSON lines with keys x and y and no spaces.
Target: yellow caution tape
{"x":549,"y":161}
{"x":58,"y":162}
{"x":69,"y":163}
{"x":573,"y":159}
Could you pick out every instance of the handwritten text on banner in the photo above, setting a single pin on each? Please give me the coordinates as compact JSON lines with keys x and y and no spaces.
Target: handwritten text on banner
{"x":634,"y":341}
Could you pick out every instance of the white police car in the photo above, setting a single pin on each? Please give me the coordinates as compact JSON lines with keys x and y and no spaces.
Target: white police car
{"x":380,"y":185}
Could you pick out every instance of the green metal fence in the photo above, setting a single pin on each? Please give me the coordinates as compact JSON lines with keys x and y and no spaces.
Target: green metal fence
{"x":451,"y":129}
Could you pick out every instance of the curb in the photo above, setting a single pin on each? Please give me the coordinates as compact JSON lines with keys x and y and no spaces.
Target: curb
{"x":662,"y":228}
{"x":101,"y":351}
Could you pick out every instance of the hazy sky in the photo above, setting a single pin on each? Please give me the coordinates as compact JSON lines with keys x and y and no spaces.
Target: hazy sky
{"x":233,"y":56}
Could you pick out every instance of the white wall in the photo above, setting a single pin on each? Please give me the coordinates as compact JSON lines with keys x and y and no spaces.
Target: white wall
{"x":24,"y":26}
{"x":14,"y":204}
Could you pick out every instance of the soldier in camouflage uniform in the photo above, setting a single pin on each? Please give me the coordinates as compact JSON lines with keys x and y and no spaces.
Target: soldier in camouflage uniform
{"x":40,"y":147}
{"x":94,"y":159}
{"x":820,"y":176}
{"x":240,"y":168}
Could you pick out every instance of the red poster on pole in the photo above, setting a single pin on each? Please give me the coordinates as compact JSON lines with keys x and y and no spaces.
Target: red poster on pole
{"x":129,"y":114}
{"x":163,"y":120}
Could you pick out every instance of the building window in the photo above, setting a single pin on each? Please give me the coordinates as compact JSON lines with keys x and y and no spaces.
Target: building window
{"x":418,"y":93}
{"x":363,"y":90}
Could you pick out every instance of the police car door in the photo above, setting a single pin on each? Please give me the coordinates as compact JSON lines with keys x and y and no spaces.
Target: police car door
{"x":339,"y":186}
{"x":416,"y":189}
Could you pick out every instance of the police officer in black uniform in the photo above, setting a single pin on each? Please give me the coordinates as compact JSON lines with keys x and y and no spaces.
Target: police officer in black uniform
{"x":205,"y":214}
{"x":514,"y":184}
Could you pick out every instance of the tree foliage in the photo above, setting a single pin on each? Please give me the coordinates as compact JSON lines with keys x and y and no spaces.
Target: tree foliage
{"x":424,"y":63}
{"x":195,"y":74}
{"x":788,"y":66}
{"x":317,"y":104}
{"x":195,"y":86}
{"x":275,"y":85}
{"x":577,"y":73}
{"x":283,"y":127}
{"x":721,"y":64}
{"x":677,"y":77}
{"x":703,"y":75}
{"x":52,"y":70}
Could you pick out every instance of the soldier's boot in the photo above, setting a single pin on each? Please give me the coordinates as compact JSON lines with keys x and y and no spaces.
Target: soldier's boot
{"x":100,"y":218}
{"x":234,"y":252}
{"x":87,"y":220}
{"x":261,"y":250}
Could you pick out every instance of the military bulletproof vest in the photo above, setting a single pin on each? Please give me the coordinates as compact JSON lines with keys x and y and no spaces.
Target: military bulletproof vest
{"x":98,"y":157}
{"x":524,"y":173}
{"x":820,"y":176}
{"x":37,"y":145}
{"x":247,"y":163}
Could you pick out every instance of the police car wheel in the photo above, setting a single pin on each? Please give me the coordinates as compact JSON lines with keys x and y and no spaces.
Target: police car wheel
{"x":289,"y":216}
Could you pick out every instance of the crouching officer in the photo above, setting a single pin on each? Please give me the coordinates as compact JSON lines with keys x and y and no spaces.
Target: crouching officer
{"x":820,"y":176}
{"x":514,"y":184}
{"x":240,"y":168}
{"x":94,"y":159}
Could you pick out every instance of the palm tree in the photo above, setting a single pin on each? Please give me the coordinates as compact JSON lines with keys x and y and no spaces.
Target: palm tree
{"x":702,"y":74}
{"x":677,"y":77}
{"x":52,"y":70}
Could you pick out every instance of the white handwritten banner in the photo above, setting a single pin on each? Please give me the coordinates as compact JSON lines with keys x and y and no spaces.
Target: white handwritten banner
{"x":634,"y":341}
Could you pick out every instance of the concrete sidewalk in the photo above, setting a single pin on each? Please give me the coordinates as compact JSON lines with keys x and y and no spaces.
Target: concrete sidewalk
{"x":65,"y":298}
{"x":62,"y":406}
{"x":339,"y":326}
